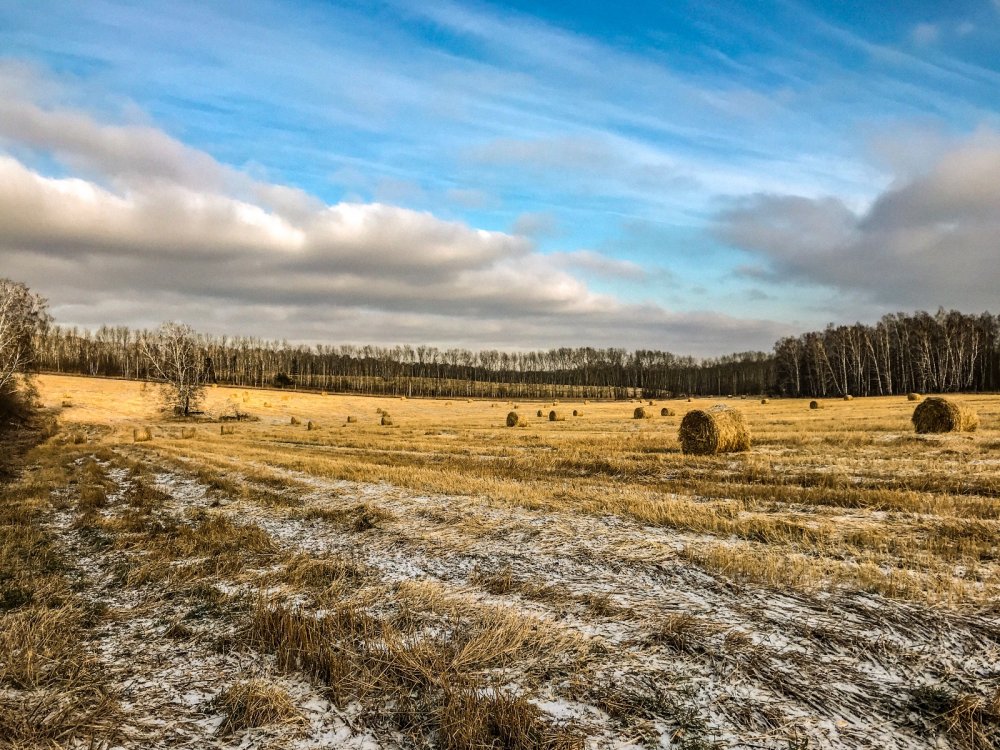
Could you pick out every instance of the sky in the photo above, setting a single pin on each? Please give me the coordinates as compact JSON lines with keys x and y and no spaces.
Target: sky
{"x":696,"y":177}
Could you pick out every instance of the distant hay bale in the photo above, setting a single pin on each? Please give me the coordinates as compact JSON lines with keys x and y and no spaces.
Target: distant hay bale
{"x":689,"y":400}
{"x":227,"y":429}
{"x":142,"y":434}
{"x":540,"y":413}
{"x":295,"y":421}
{"x":743,"y":397}
{"x":641,"y":412}
{"x":310,"y":425}
{"x":848,"y":397}
{"x":814,"y":405}
{"x":720,"y":429}
{"x":936,"y":414}
{"x":585,"y":401}
{"x":650,"y":403}
{"x":67,"y":404}
{"x":913,"y":396}
{"x":555,"y":416}
{"x":267,"y":404}
{"x":665,"y":412}
{"x":379,"y":411}
{"x":386,"y":419}
{"x":763,"y":400}
{"x":577,"y":412}
{"x":515,"y":420}
{"x":351,"y":420}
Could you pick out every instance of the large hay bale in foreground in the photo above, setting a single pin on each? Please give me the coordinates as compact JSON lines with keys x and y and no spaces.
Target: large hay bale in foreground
{"x":665,"y":412}
{"x":641,"y":412}
{"x":555,"y":416}
{"x":515,"y":420}
{"x":814,"y":405}
{"x":937,"y":414}
{"x":386,"y":419}
{"x":913,"y":396}
{"x":720,"y":429}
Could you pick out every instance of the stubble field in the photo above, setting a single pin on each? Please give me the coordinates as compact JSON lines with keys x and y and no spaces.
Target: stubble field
{"x":451,"y":582}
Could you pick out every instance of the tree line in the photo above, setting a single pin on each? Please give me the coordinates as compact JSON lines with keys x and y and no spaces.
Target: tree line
{"x":941,"y":352}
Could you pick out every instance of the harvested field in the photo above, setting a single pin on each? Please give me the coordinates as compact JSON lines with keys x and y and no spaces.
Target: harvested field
{"x":454,"y":583}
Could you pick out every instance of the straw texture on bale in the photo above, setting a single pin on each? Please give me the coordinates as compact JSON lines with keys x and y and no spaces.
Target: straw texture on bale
{"x":936,"y":414}
{"x":386,"y":419}
{"x":555,"y":416}
{"x":665,"y":412}
{"x":720,"y":429}
{"x":913,"y":397}
{"x":142,"y":434}
{"x":814,"y":404}
{"x":515,"y":420}
{"x":641,"y":412}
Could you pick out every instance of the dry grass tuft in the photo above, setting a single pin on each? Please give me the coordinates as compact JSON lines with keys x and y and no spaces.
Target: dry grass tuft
{"x":142,"y":435}
{"x":937,"y":414}
{"x":720,"y":429}
{"x":255,"y":703}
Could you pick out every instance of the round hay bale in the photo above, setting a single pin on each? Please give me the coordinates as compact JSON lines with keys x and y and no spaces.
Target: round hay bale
{"x":295,"y":421}
{"x":720,"y":429}
{"x":848,"y":397}
{"x":665,"y":412}
{"x":936,"y":414}
{"x":649,"y":403}
{"x":515,"y":420}
{"x":689,"y":400}
{"x":386,"y":419}
{"x":352,"y":420}
{"x":913,"y":396}
{"x":641,"y":412}
{"x":814,"y":405}
{"x":555,"y":416}
{"x":540,"y":413}
{"x":577,"y":412}
{"x":763,"y":400}
{"x":310,"y":425}
{"x":379,"y":411}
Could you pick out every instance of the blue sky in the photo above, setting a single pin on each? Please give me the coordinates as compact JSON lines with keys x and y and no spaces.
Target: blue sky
{"x":694,"y":176}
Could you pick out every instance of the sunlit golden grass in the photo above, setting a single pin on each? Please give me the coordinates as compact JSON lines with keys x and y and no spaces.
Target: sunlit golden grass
{"x":846,"y":495}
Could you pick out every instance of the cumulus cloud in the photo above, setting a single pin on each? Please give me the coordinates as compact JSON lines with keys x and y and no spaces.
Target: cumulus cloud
{"x":146,"y":228}
{"x":927,"y":240}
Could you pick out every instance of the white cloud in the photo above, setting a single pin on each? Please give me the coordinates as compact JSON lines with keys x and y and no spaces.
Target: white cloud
{"x":148,"y":228}
{"x":928,"y":240}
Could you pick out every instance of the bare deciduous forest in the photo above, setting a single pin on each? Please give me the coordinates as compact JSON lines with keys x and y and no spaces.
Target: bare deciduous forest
{"x":944,"y":352}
